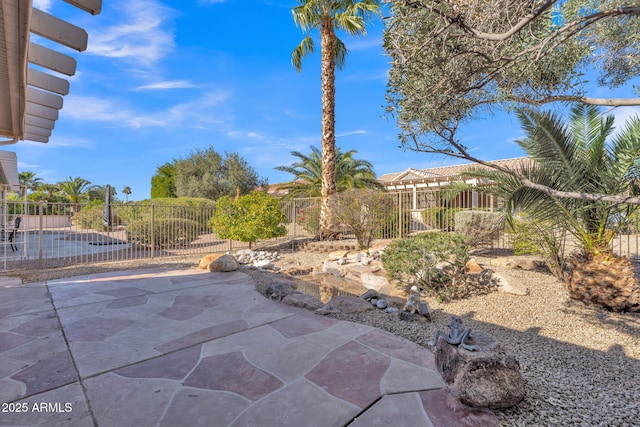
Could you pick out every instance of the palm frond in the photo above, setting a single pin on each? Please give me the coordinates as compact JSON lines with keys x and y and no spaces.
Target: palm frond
{"x":305,"y":47}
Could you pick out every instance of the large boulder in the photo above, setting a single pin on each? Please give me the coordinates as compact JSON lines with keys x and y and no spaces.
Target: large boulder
{"x":485,"y":378}
{"x":207,"y":259}
{"x":223,"y":264}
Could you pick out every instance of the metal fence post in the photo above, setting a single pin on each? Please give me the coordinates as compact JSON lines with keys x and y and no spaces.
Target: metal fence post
{"x":400,"y":225}
{"x":40,"y":231}
{"x":153,"y":229}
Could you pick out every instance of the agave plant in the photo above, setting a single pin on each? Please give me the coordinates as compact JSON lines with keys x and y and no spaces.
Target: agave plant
{"x":581,"y":155}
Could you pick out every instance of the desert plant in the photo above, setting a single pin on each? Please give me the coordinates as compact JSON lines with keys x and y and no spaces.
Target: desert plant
{"x":482,"y":227}
{"x":163,"y":232}
{"x":248,"y":218}
{"x":440,"y":217}
{"x":532,"y":237}
{"x":433,"y":261}
{"x":309,"y":218}
{"x":363,"y":212}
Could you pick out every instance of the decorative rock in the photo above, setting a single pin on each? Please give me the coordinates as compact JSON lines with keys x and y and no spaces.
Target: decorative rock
{"x":486,"y":378}
{"x":371,"y":293}
{"x":509,"y":286}
{"x":391,"y":310}
{"x":365,"y":260}
{"x":332,"y":267}
{"x":373,"y":301}
{"x":223,"y":264}
{"x":525,"y":263}
{"x":412,"y":304}
{"x":354,"y":257}
{"x":423,"y":309}
{"x":206,"y":260}
{"x":346,"y":304}
{"x":374,"y":281}
{"x":381,"y":304}
{"x":472,"y":267}
{"x":278,"y":291}
{"x":264,"y":263}
{"x":243,"y":252}
{"x":303,"y":301}
{"x":341,"y":261}
{"x":410,"y":317}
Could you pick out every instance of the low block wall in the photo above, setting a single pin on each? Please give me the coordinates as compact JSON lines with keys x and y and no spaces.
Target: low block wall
{"x":32,"y":222}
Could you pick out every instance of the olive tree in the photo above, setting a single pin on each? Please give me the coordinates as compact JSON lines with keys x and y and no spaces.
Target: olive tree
{"x":456,"y":59}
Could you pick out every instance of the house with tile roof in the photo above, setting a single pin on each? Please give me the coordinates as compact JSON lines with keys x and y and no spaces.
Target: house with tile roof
{"x":426,"y":188}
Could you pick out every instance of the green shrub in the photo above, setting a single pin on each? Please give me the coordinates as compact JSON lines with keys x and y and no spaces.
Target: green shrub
{"x":390,"y":228}
{"x":440,"y":218}
{"x":164,"y":233}
{"x":414,"y":261}
{"x":543,"y":238}
{"x":523,"y":235}
{"x":91,"y":216}
{"x":248,"y":218}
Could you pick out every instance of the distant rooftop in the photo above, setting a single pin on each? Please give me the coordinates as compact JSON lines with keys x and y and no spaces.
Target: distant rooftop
{"x":446,"y":173}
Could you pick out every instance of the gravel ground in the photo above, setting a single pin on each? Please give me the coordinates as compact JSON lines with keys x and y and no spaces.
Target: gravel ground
{"x":581,"y":365}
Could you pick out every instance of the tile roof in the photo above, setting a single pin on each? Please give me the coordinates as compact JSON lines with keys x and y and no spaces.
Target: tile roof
{"x":447,"y":172}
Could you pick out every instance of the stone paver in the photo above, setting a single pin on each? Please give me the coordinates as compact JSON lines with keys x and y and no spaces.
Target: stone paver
{"x":185,"y":347}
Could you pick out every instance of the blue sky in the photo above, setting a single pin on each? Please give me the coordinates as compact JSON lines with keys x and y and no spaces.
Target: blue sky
{"x":162,"y":78}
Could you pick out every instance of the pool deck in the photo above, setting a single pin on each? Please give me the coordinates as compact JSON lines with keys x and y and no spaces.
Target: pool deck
{"x":190,"y":348}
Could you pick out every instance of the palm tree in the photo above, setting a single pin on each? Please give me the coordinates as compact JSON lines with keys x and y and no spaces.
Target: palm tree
{"x":126,"y":191}
{"x":28,"y":180}
{"x":350,"y":173}
{"x":75,"y":189}
{"x":328,"y":16}
{"x":582,"y":155}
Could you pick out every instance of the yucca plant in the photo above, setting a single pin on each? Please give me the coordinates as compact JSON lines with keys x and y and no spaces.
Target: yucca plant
{"x":581,"y":155}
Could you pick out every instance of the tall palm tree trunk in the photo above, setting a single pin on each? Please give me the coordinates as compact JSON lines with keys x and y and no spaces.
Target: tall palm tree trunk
{"x":327,"y":77}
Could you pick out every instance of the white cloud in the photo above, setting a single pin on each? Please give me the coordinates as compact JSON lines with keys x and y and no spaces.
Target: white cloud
{"x":175,"y":84}
{"x":142,"y":34}
{"x":351,"y":132}
{"x":622,"y":115}
{"x":204,"y":2}
{"x":43,"y":5}
{"x":198,"y":113}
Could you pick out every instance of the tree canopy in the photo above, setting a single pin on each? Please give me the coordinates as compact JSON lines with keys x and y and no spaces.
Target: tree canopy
{"x":205,"y":173}
{"x":163,"y":182}
{"x":307,"y":172}
{"x":455,"y":59}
